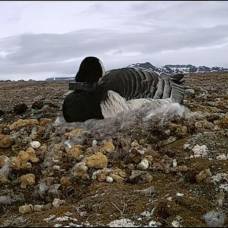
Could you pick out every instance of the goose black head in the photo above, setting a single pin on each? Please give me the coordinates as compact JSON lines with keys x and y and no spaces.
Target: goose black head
{"x":90,"y":71}
{"x":84,"y":102}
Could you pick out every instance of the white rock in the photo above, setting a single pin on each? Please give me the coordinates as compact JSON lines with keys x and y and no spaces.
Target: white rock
{"x":38,"y":207}
{"x":109,"y":179}
{"x":56,"y":167}
{"x":176,"y":223}
{"x":174,"y":163}
{"x":186,"y":146}
{"x":35,"y":144}
{"x":222,"y":157}
{"x":200,"y":151}
{"x":94,"y":142}
{"x":27,"y":208}
{"x":180,"y":194}
{"x":122,"y":223}
{"x":57,"y":202}
{"x":144,"y":164}
{"x":153,"y":223}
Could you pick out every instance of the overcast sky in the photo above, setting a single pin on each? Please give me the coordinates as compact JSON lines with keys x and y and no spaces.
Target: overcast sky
{"x":46,"y":39}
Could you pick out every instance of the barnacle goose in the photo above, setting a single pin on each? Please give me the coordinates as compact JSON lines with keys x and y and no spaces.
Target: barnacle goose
{"x":99,"y":95}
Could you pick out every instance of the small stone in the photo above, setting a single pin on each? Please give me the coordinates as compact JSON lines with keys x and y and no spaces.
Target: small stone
{"x":122,"y":223}
{"x":57,"y":202}
{"x":200,"y":151}
{"x":176,"y":223}
{"x":23,"y":158}
{"x":174,"y":163}
{"x":45,"y":121}
{"x":65,"y":181}
{"x":23,"y":123}
{"x":35,"y":144}
{"x":25,"y":209}
{"x":3,"y":160}
{"x":117,"y":178}
{"x":140,"y":177}
{"x":101,"y":174}
{"x":153,"y":223}
{"x":203,"y":175}
{"x":147,"y":191}
{"x":80,"y":170}
{"x":144,"y":164}
{"x":56,"y":167}
{"x":5,"y":141}
{"x":75,"y":151}
{"x":27,"y":180}
{"x":222,"y":157}
{"x":182,"y":168}
{"x":98,"y":161}
{"x":179,"y":194}
{"x":94,"y":143}
{"x":37,"y":208}
{"x":187,"y":146}
{"x":109,"y":179}
{"x":214,"y":218}
{"x":20,"y":108}
{"x":108,"y":146}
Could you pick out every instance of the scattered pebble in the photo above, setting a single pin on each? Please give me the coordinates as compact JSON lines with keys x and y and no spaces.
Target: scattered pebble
{"x":25,"y":209}
{"x":144,"y":164}
{"x":97,"y":160}
{"x":57,"y":202}
{"x":214,"y":218}
{"x":35,"y":144}
{"x":109,"y":179}
{"x":27,"y":180}
{"x":200,"y":151}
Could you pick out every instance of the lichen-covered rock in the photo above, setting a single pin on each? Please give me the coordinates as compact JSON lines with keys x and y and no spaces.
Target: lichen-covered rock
{"x":27,"y":180}
{"x":101,"y":174}
{"x":80,"y":170}
{"x":108,"y":146}
{"x":97,"y":161}
{"x":5,"y":141}
{"x":203,"y":176}
{"x":45,"y":121}
{"x":25,"y":209}
{"x":223,"y":122}
{"x":23,"y":159}
{"x":3,"y":160}
{"x":204,"y":124}
{"x":23,"y":123}
{"x":4,"y":169}
{"x":200,"y":151}
{"x":75,"y":151}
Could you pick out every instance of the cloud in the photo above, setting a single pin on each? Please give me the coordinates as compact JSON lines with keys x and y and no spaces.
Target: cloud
{"x":120,"y":33}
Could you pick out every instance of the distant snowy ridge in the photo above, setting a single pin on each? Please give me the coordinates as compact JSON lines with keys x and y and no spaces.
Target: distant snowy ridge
{"x":169,"y":69}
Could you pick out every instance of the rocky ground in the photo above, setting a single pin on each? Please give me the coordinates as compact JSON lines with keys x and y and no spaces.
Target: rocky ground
{"x":166,"y":170}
